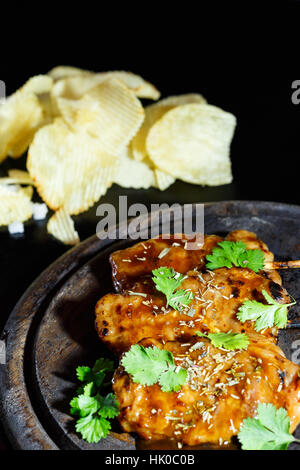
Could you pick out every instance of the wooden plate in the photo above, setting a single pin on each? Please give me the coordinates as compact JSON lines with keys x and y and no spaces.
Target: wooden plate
{"x":51,"y":329}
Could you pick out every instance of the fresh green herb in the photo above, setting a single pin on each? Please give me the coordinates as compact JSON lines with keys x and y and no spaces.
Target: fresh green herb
{"x":266,"y":316}
{"x":92,"y":409}
{"x":268,"y":431}
{"x":235,"y":254}
{"x":166,"y":281}
{"x":148,"y":366}
{"x":95,"y":375}
{"x":227,"y":340}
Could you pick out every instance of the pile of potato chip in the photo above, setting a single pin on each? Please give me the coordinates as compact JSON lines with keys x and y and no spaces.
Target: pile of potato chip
{"x":85,"y":131}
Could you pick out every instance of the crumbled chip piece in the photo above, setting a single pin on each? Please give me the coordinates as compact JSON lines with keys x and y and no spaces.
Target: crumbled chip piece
{"x":16,"y":227}
{"x":15,"y":203}
{"x":39,"y":211}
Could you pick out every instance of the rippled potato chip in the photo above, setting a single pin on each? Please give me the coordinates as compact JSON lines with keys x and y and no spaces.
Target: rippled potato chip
{"x":21,"y":115}
{"x":62,"y":227}
{"x":153,"y":113}
{"x":74,"y":86}
{"x":38,"y":85}
{"x":15,"y":204}
{"x":192,"y":142}
{"x":69,"y":169}
{"x":134,"y":174}
{"x":66,"y":71}
{"x":109,"y":112}
{"x":163,"y":180}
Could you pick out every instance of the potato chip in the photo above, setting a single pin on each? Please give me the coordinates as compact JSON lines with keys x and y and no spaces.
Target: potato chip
{"x":66,"y":71}
{"x":22,"y":176}
{"x":21,"y":115}
{"x":17,"y":177}
{"x":110,"y":112}
{"x":180,"y":100}
{"x":74,"y":87}
{"x":38,"y":85}
{"x":133,"y":174}
{"x":192,"y":143}
{"x":163,"y":180}
{"x":154,"y":112}
{"x":69,"y":169}
{"x":15,"y":204}
{"x":62,"y":227}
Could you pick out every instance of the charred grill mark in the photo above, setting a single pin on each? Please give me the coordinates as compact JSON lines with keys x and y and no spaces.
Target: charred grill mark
{"x":257,"y":295}
{"x":104,"y":331}
{"x":276,"y":291}
{"x":281,"y":374}
{"x":235,"y":292}
{"x":118,"y":309}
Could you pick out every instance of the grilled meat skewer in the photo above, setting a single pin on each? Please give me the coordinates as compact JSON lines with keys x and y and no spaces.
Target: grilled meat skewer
{"x":223,"y":388}
{"x":123,"y":320}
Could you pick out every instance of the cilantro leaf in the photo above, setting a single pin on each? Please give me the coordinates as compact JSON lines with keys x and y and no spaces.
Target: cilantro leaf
{"x":227,"y":340}
{"x":265,"y":316}
{"x":148,"y":366}
{"x":268,"y":431}
{"x":103,"y":365}
{"x":84,"y":374}
{"x":85,"y":405}
{"x":93,"y":409}
{"x":172,"y":379}
{"x":167,"y":281}
{"x":252,"y":259}
{"x":96,"y":374}
{"x":180,"y":298}
{"x":145,"y":364}
{"x":229,"y":254}
{"x":109,"y":407}
{"x":92,"y":429}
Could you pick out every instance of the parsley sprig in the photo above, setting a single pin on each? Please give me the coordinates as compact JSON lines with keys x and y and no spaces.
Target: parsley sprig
{"x":270,"y":430}
{"x":230,"y":254}
{"x":152,"y":365}
{"x":228,"y":340}
{"x":92,"y":409}
{"x":167,"y":281}
{"x":265,"y":316}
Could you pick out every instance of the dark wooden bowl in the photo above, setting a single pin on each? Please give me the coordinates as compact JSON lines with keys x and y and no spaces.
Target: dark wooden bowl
{"x":51,"y":330}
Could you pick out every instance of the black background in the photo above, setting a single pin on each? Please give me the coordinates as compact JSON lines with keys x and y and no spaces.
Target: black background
{"x":244,"y":62}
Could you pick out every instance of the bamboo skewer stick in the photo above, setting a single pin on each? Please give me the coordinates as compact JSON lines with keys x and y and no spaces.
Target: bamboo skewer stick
{"x":282,"y":264}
